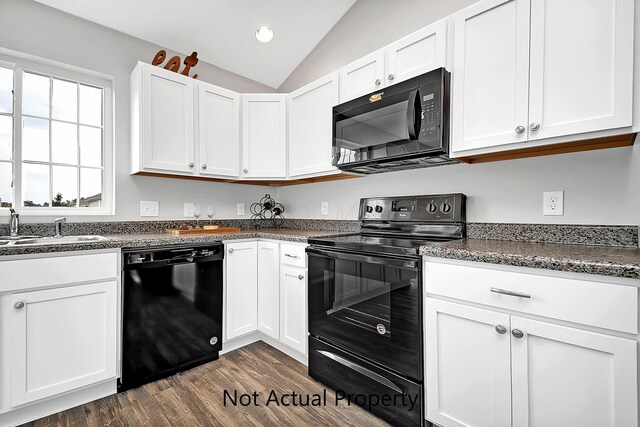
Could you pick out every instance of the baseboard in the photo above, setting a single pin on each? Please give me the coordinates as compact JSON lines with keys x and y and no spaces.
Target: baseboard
{"x":57,"y":404}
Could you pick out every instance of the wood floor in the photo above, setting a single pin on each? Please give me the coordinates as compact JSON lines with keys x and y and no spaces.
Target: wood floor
{"x":196,"y":398}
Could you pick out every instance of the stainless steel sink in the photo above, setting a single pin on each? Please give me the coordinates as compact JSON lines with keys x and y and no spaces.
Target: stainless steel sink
{"x":36,"y":240}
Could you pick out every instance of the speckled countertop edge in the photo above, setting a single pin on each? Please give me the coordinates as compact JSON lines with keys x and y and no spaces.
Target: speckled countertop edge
{"x":603,"y":261}
{"x":158,"y":239}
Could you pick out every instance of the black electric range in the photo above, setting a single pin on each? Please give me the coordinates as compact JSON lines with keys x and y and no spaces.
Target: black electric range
{"x":365,"y":301}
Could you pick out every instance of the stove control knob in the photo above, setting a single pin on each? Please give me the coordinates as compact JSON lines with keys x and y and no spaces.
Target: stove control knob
{"x":378,"y":208}
{"x":445,"y":207}
{"x":432,"y":208}
{"x":369,"y":209}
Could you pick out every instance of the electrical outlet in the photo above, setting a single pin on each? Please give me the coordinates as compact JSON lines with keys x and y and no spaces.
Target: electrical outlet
{"x":240,"y":209}
{"x":553,"y":203}
{"x":325,"y":208}
{"x":188,"y":210}
{"x":149,"y":208}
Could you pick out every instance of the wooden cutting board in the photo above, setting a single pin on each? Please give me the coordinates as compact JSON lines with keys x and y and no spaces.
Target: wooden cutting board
{"x":219,"y":230}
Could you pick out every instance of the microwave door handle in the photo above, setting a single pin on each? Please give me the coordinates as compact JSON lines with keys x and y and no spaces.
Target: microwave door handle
{"x":412,"y":126}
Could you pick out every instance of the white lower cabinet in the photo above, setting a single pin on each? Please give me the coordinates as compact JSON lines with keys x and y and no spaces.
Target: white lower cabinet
{"x":293,"y":308}
{"x":269,"y":289}
{"x":488,"y":367}
{"x":266,"y":288}
{"x":59,"y":332}
{"x":62,"y":339}
{"x":241,"y":302}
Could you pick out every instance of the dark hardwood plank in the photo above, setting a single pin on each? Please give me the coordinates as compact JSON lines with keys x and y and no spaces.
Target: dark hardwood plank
{"x":196,"y":398}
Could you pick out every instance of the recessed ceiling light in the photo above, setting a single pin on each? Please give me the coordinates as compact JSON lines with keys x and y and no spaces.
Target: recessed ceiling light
{"x":264,"y":34}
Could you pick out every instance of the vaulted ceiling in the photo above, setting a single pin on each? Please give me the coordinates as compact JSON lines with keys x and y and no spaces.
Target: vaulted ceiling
{"x":221,"y":31}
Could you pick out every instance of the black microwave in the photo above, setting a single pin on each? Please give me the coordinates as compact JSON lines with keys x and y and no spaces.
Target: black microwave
{"x":404,"y":126}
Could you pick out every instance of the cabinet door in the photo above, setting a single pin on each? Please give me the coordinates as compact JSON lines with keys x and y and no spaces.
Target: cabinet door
{"x":269,"y":288}
{"x":468,"y":379}
{"x":568,"y":377}
{"x":62,"y":339}
{"x":581,"y":66}
{"x":168,"y":121}
{"x":417,"y":53}
{"x":264,"y":136}
{"x":362,"y":76}
{"x":218,"y":131}
{"x":293,"y":308}
{"x":490,"y":75}
{"x":241,"y":262}
{"x":310,"y":123}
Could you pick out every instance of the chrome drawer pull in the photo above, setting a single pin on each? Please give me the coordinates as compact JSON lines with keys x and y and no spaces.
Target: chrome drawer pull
{"x":291,"y":256}
{"x":510,"y":293}
{"x":297,"y":276}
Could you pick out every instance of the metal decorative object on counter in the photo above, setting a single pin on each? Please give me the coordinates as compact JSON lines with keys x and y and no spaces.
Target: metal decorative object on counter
{"x":267,"y":213}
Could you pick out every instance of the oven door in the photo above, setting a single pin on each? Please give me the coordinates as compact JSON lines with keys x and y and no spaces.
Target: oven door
{"x":368,"y":305}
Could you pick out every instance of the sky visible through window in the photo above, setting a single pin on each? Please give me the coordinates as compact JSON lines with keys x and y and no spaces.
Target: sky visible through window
{"x":61,"y":145}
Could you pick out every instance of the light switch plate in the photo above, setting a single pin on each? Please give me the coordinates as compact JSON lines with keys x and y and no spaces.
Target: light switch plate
{"x":188,"y":210}
{"x":325,"y":208}
{"x":240,"y":209}
{"x":149,"y":208}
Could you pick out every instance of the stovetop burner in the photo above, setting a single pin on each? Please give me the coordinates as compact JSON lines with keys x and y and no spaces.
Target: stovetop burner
{"x":400,"y":225}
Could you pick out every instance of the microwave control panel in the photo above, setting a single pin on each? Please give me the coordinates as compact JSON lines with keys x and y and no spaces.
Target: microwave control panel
{"x":430,"y":111}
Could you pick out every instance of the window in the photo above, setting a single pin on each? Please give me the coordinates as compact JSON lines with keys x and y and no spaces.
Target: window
{"x":55,"y":140}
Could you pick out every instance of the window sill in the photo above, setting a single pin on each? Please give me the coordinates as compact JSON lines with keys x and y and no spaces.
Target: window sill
{"x":67,"y":212}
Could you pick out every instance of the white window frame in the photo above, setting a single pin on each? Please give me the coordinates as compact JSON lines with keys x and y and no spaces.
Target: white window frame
{"x":20,"y":62}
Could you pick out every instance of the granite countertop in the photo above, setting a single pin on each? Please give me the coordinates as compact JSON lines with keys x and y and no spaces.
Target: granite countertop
{"x":600,"y":260}
{"x":161,"y":239}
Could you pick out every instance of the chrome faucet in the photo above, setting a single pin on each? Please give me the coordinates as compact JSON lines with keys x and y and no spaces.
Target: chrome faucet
{"x":58,"y":224}
{"x":14,"y":223}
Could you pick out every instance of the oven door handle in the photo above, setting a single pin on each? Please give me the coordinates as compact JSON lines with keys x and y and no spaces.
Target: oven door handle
{"x":361,"y":369}
{"x":368,"y":259}
{"x":413,"y":125}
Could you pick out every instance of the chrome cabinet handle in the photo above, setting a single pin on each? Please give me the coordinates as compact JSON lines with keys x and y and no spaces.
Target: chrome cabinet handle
{"x":191,"y":164}
{"x":517,"y":333}
{"x":520,"y":130}
{"x":378,"y":82}
{"x":204,"y":166}
{"x":300,"y":277}
{"x":230,"y":250}
{"x":19,"y":305}
{"x":291,"y":256}
{"x":391,"y":77}
{"x":501,"y":329}
{"x":245,"y":170}
{"x":510,"y":293}
{"x":534,"y":126}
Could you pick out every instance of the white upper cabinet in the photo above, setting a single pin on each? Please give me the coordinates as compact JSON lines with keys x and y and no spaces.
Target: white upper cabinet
{"x":181,"y":126}
{"x":310,"y":112}
{"x":535,"y":70}
{"x":264,"y":136}
{"x":218,"y":131}
{"x":415,"y":54}
{"x":167,"y":121}
{"x":362,"y":76}
{"x":581,"y":66}
{"x":490,"y":74}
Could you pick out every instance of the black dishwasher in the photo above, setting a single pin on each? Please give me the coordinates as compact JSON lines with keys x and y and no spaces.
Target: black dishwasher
{"x":171,"y":310}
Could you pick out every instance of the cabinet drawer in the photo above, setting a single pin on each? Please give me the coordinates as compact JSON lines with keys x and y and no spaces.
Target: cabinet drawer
{"x":293,"y":255}
{"x":28,"y":273}
{"x":596,"y":304}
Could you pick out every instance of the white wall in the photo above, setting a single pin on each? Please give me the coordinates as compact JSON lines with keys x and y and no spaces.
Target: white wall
{"x":32,"y":28}
{"x":601,"y":187}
